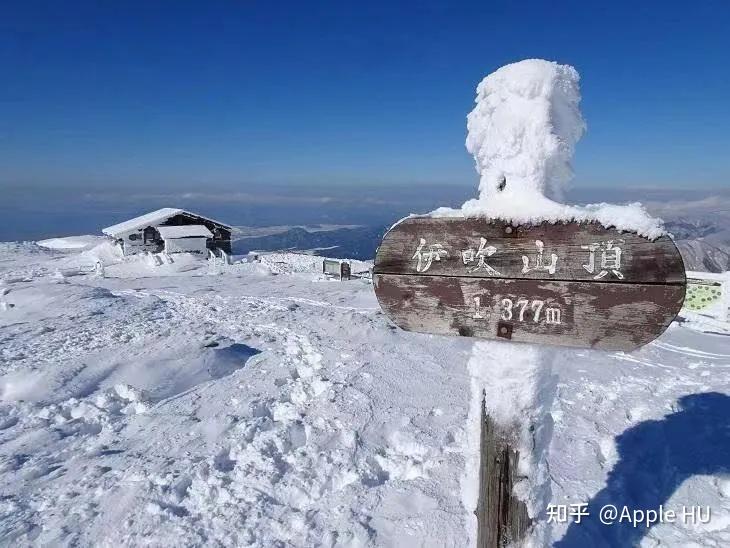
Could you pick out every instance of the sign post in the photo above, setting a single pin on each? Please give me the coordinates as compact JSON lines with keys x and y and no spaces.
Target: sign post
{"x":574,"y":284}
{"x":516,"y":265}
{"x":568,"y":284}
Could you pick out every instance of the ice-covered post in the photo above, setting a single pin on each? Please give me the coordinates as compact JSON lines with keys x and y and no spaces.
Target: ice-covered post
{"x":517,"y":265}
{"x":522,"y":134}
{"x":99,"y":268}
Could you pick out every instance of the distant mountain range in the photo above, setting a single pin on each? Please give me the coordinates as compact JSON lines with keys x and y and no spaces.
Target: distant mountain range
{"x":352,"y":242}
{"x":704,"y":246}
{"x":701,"y":230}
{"x":347,"y":220}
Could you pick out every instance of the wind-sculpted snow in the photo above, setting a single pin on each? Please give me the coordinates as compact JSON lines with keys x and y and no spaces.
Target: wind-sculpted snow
{"x":236,"y":409}
{"x":268,"y":406}
{"x":522,"y":134}
{"x":523,"y":130}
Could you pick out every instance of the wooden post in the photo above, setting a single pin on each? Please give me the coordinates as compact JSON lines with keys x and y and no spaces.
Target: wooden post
{"x":345,"y":271}
{"x":570,"y":284}
{"x":502,"y":519}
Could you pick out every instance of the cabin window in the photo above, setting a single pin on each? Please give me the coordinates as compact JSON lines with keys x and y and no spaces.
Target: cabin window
{"x":133,"y":237}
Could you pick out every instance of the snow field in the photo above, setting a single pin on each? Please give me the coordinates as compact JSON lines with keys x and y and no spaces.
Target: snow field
{"x":208,"y":416}
{"x":622,"y":428}
{"x":255,"y":409}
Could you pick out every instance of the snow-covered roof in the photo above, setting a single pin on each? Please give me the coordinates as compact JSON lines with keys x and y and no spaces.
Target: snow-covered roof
{"x":184,"y":231}
{"x":153,"y":218}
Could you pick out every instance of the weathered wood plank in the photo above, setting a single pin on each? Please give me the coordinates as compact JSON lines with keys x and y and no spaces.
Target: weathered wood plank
{"x":640,"y":260}
{"x":593,"y":314}
{"x":502,"y":518}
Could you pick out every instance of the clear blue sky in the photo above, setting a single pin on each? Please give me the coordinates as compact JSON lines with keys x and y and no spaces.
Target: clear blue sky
{"x":177,"y":93}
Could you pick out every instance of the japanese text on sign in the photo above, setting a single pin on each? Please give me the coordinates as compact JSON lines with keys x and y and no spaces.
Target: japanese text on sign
{"x":602,"y":258}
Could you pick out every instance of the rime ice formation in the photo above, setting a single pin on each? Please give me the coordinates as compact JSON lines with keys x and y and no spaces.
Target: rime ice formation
{"x":523,"y":131}
{"x":522,"y":134}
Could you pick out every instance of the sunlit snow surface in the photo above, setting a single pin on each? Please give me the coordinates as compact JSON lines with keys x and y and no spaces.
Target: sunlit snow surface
{"x":260,"y":403}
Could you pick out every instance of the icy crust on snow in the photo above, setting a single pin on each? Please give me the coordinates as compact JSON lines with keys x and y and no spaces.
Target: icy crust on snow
{"x":522,"y":134}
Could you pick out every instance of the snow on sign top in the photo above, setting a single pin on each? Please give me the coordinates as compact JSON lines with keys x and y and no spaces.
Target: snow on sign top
{"x":184,"y":231}
{"x":153,"y":218}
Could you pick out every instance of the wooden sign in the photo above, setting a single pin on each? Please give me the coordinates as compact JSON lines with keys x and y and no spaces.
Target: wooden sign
{"x":569,"y":284}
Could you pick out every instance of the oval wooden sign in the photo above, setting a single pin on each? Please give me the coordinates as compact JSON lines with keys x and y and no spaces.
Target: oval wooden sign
{"x":574,"y":284}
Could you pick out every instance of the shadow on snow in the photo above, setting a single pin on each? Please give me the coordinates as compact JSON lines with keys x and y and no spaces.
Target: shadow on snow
{"x":654,"y":458}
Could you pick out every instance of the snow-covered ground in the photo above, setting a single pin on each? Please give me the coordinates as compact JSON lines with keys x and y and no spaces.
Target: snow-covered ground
{"x":72,"y":243}
{"x":263,"y":404}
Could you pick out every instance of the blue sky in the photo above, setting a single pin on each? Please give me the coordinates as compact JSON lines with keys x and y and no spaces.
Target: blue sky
{"x":175,"y":94}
